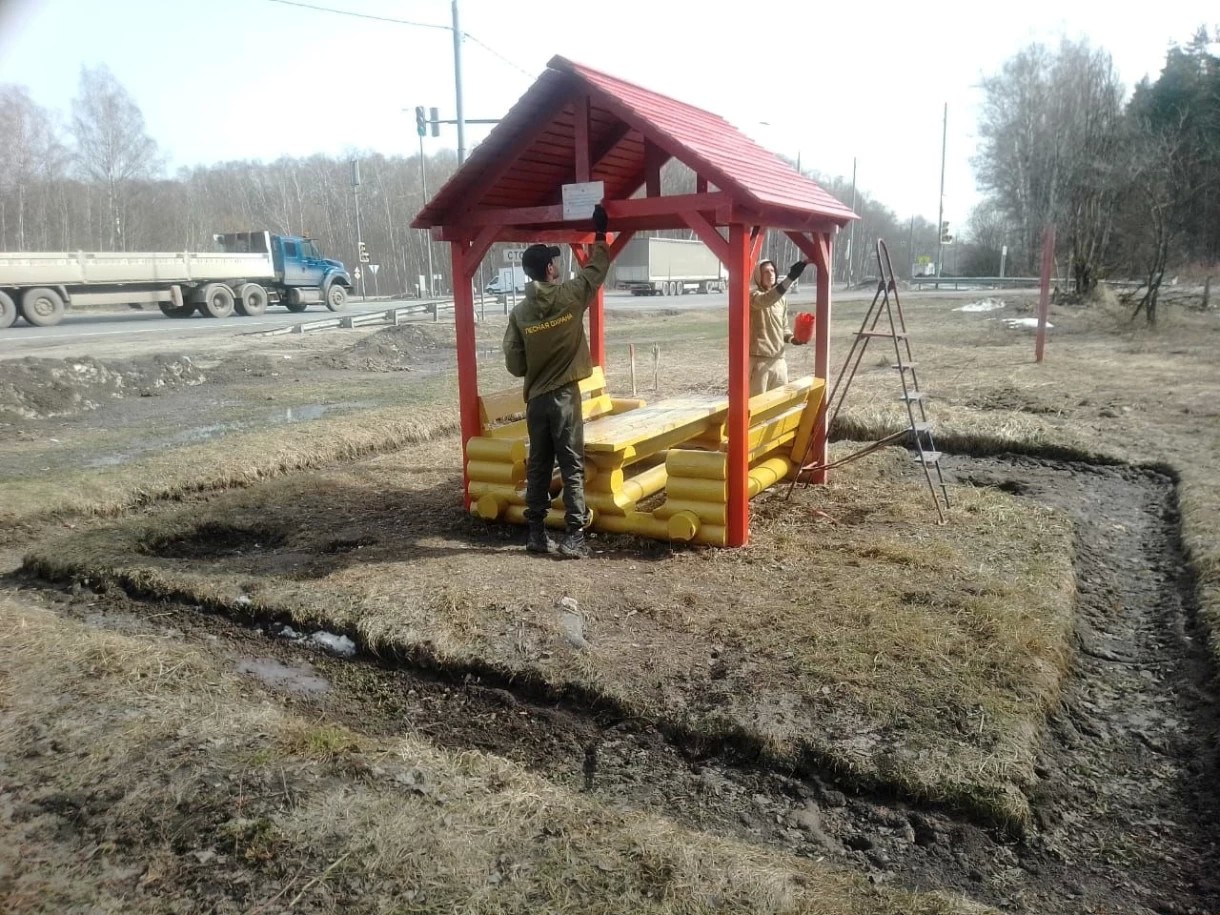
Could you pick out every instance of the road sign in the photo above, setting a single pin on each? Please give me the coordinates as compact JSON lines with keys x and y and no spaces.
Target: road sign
{"x":513,"y":255}
{"x":356,"y":273}
{"x":374,"y":268}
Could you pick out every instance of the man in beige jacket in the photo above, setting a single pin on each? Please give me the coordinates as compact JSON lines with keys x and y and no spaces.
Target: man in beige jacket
{"x":545,"y":344}
{"x":769,"y":332}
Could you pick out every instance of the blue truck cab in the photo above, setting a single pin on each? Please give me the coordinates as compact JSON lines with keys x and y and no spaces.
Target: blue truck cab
{"x":301,"y":275}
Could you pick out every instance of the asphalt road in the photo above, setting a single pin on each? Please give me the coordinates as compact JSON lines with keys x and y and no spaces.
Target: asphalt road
{"x":105,"y":328}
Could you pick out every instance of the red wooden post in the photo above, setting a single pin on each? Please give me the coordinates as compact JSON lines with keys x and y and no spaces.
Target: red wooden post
{"x":581,"y":137}
{"x":760,"y":234}
{"x":738,"y":532}
{"x":468,"y":368}
{"x":597,"y":309}
{"x":824,"y":249}
{"x":1044,"y":300}
{"x":597,"y":328}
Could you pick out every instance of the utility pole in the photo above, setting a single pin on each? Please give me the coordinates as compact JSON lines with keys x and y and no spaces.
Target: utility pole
{"x":359,"y":240}
{"x":423,"y":181}
{"x":851,"y":237}
{"x":940,"y":214}
{"x":457,"y":83}
{"x":911,"y":248}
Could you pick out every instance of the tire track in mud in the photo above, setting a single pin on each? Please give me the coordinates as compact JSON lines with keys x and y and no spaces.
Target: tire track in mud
{"x":1126,"y":806}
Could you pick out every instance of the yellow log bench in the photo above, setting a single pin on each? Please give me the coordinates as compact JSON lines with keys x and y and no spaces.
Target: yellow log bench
{"x":496,"y":459}
{"x":696,"y":490}
{"x":633,"y":451}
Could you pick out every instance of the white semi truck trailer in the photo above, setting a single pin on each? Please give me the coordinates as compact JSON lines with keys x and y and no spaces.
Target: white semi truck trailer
{"x":247,"y":272}
{"x":668,"y":266}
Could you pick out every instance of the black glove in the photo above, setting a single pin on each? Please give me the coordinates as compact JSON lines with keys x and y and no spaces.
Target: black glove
{"x":795,"y":271}
{"x":599,"y":220}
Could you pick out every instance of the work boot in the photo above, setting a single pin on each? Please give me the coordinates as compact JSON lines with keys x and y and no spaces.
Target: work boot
{"x":538,"y":541}
{"x":572,"y":546}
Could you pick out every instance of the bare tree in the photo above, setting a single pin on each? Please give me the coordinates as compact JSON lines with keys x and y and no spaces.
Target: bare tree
{"x":112,"y":147}
{"x":1157,"y":198}
{"x":29,"y":157}
{"x":1049,"y":130}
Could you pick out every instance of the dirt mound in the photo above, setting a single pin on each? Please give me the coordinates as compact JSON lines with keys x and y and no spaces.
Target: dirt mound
{"x":35,"y":388}
{"x":395,"y":349}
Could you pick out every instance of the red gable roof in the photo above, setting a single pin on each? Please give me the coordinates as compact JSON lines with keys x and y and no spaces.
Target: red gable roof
{"x":531,"y":153}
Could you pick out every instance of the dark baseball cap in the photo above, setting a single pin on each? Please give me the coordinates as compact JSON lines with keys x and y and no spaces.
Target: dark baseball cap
{"x":535,"y":259}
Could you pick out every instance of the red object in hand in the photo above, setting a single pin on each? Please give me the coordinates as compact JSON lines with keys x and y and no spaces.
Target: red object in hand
{"x":802,"y":328}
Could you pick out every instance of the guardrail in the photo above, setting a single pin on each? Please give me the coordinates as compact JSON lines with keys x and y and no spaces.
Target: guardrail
{"x":391,"y":316}
{"x":996,"y":282}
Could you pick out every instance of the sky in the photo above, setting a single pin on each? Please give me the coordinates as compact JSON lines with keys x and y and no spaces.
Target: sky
{"x":862,"y":84}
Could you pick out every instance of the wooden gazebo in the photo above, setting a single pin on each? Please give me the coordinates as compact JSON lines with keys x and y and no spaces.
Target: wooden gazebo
{"x":576,"y":124}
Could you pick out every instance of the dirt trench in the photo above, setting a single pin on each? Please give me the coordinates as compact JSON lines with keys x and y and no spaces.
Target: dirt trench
{"x":1126,"y":809}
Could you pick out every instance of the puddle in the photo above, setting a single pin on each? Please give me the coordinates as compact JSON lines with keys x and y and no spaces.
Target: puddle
{"x":195,"y":435}
{"x":302,"y":680}
{"x":202,"y":433}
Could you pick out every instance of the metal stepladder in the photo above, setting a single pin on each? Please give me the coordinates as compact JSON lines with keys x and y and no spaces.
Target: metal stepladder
{"x":919,"y":429}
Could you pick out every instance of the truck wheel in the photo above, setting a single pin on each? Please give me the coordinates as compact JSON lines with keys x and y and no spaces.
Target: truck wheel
{"x":336,"y":297}
{"x":42,"y":307}
{"x":170,"y":310}
{"x":8,"y":311}
{"x":217,"y":301}
{"x":251,"y":299}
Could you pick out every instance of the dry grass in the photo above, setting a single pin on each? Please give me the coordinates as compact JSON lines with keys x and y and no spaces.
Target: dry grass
{"x":853,"y":633}
{"x":237,"y":460}
{"x":120,"y":799}
{"x":1109,"y":390}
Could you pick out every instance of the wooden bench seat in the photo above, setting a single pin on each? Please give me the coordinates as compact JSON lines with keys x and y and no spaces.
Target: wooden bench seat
{"x":509,"y":404}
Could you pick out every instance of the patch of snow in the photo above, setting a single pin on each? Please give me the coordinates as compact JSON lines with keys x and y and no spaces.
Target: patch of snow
{"x":335,"y":644}
{"x":1016,"y":323}
{"x":983,"y":305}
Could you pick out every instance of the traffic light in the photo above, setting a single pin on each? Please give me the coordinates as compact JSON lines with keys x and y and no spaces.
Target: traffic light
{"x":436,"y":122}
{"x":420,"y":123}
{"x":364,"y":253}
{"x":945,"y":237}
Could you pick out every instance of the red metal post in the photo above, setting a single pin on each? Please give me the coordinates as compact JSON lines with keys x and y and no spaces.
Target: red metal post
{"x":1044,"y":299}
{"x":738,"y":532}
{"x":824,"y":251}
{"x":468,"y":368}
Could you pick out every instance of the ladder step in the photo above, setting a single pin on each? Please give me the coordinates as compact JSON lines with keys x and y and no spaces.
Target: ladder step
{"x":927,"y":457}
{"x":903,"y":366}
{"x":922,"y":427}
{"x":881,"y":333}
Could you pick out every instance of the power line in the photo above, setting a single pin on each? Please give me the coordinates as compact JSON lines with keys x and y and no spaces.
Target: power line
{"x":422,"y":25}
{"x":496,"y":53}
{"x":327,"y":9}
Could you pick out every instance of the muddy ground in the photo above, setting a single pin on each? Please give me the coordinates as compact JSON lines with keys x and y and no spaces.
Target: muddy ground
{"x":1126,"y":810}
